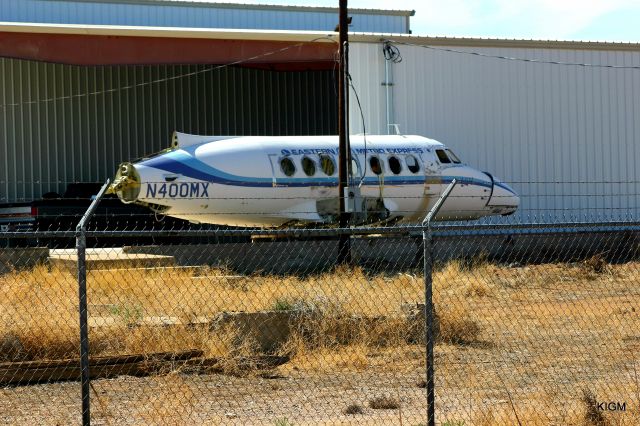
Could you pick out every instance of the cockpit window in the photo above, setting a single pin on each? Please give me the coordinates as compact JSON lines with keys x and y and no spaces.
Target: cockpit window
{"x":453,"y":157}
{"x":287,"y":166}
{"x":394,"y":165}
{"x":442,"y":156}
{"x":376,"y":166}
{"x":412,"y":164}
{"x":327,"y":164}
{"x":308,"y":166}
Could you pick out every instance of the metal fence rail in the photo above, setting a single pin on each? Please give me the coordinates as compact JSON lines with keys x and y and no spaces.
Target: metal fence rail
{"x":213,"y":327}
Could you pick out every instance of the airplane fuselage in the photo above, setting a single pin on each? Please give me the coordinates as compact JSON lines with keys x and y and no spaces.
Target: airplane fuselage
{"x":274,"y":181}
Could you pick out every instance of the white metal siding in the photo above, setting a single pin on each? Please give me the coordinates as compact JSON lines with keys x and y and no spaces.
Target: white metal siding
{"x":567,"y":137}
{"x":47,"y":144}
{"x":189,"y":16}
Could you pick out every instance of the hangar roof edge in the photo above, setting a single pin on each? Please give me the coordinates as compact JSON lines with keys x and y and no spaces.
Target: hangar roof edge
{"x":430,"y":40}
{"x":170,"y":32}
{"x":308,"y":36}
{"x":231,"y":5}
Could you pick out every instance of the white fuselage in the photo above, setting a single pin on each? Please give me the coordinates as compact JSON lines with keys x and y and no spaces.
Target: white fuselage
{"x":273,"y":181}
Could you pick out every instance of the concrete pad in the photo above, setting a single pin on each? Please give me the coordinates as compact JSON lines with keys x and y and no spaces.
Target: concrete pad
{"x":160,"y":321}
{"x":103,"y":321}
{"x":269,"y":329}
{"x":108,"y":258}
{"x":98,"y":318}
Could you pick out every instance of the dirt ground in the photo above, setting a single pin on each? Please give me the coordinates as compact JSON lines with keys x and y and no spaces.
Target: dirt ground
{"x":538,"y":344}
{"x":215,"y":399}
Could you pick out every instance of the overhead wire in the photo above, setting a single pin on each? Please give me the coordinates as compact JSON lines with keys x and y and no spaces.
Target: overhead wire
{"x":509,"y":58}
{"x":165,"y":79}
{"x":364,"y":128}
{"x":390,"y":52}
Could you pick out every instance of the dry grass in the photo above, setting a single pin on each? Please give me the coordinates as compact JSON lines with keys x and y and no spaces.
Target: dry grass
{"x":352,"y":318}
{"x":347,"y":310}
{"x":347,"y":307}
{"x":515,"y":344}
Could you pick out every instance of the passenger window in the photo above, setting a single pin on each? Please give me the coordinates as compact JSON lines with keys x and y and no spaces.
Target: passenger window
{"x":453,"y":157}
{"x":327,"y":165}
{"x":394,"y":165}
{"x":442,"y":156}
{"x":412,"y":164}
{"x":376,"y":166}
{"x":308,"y":166}
{"x":287,"y":166}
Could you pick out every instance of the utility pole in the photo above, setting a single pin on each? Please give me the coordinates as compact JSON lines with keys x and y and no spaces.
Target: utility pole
{"x":344,"y":245}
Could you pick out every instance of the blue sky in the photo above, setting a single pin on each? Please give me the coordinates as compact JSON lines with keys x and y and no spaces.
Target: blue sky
{"x":603,"y":20}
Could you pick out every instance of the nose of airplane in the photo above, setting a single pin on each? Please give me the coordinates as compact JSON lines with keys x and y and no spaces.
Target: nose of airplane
{"x":126,"y":184}
{"x":504,"y":199}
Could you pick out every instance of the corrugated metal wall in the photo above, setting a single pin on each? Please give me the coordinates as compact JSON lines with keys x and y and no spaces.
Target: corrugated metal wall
{"x":45,"y":145}
{"x":567,"y":137}
{"x":190,"y":15}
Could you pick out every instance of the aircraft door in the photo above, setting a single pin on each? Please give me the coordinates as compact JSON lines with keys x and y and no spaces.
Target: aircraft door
{"x":431,"y":164}
{"x":282,"y":167}
{"x":273,"y":162}
{"x":432,"y":170}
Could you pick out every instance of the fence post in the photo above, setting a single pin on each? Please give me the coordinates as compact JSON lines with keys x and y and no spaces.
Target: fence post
{"x":81,"y":248}
{"x":428,"y":302}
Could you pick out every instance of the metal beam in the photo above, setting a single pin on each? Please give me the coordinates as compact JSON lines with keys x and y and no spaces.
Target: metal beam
{"x":81,"y":247}
{"x":428,"y":302}
{"x":344,"y":247}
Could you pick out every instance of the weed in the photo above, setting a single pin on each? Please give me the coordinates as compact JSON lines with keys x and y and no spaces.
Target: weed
{"x":592,"y":416}
{"x":353,"y":409}
{"x":456,"y":326}
{"x":282,"y":305}
{"x":294,"y":304}
{"x":384,"y":403}
{"x":596,"y":264}
{"x":474,"y":262}
{"x":130,"y":314}
{"x":478,"y":288}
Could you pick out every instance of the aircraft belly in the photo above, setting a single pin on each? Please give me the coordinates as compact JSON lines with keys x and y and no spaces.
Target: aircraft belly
{"x":245,"y":206}
{"x":395,"y":202}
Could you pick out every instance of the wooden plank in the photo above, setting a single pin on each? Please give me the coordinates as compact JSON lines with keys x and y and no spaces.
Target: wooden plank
{"x":24,"y":373}
{"x":116,"y":359}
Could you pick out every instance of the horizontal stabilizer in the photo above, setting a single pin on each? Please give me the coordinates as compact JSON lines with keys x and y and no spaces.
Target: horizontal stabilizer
{"x":183,"y":140}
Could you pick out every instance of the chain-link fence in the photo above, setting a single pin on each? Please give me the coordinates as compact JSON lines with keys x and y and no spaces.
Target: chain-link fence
{"x":532,"y":324}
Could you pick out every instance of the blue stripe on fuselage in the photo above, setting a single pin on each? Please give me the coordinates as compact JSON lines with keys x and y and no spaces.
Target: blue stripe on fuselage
{"x":182,"y":163}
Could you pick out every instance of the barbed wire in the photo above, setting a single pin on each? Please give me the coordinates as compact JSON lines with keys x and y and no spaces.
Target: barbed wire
{"x":271,"y":214}
{"x":510,"y":182}
{"x":44,"y":201}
